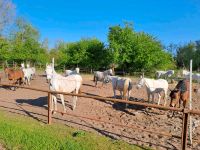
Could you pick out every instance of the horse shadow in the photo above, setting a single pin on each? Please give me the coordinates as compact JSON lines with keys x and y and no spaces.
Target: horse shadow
{"x":122,"y":106}
{"x":8,"y":87}
{"x":88,"y":85}
{"x":42,"y":75}
{"x":39,"y":102}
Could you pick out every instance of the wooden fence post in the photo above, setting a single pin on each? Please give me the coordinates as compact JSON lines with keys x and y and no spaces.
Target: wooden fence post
{"x":184,"y":130}
{"x":49,"y":109}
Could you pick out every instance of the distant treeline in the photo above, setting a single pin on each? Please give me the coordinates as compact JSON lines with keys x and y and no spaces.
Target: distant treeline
{"x":126,"y":49}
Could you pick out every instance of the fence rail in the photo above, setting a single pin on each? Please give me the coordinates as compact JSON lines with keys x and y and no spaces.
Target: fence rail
{"x":186,"y":112}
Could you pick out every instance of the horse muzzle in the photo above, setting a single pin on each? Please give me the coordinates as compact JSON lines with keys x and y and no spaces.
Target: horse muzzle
{"x":172,"y":104}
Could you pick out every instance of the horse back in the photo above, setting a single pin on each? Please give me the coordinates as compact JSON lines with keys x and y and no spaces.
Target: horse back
{"x":15,"y":74}
{"x":183,"y":85}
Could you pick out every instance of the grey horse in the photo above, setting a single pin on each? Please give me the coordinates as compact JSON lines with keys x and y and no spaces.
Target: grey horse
{"x":101,"y":76}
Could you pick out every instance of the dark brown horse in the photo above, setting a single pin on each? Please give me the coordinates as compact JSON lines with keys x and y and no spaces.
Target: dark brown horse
{"x":14,"y":75}
{"x":180,"y":93}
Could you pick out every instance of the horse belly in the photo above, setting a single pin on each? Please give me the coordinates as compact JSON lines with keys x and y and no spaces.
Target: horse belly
{"x":120,"y":85}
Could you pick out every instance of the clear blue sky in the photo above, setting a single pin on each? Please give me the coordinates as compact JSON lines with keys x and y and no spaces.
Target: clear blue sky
{"x":169,"y":20}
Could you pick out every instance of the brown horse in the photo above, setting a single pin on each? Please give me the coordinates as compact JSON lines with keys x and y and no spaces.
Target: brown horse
{"x":14,"y":75}
{"x":180,"y":93}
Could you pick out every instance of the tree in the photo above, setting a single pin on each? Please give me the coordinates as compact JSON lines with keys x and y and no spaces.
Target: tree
{"x":5,"y":49}
{"x":87,"y":53}
{"x":187,"y":52}
{"x":137,"y":50}
{"x":7,"y":11}
{"x":184,"y":54}
{"x":26,"y":45}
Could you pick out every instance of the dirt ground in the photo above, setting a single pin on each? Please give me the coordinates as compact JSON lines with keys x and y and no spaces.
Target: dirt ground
{"x":34,"y":104}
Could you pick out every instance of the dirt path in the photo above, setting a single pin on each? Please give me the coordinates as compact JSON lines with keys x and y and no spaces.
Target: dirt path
{"x":34,"y":104}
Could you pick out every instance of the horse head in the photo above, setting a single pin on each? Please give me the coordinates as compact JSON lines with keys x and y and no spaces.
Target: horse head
{"x":107,"y":79}
{"x":28,"y":65}
{"x":77,"y":70}
{"x":49,"y":72}
{"x":175,"y":96}
{"x":140,"y":82}
{"x":22,"y":65}
{"x":110,"y":72}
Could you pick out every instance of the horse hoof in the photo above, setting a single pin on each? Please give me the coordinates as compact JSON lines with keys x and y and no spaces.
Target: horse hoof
{"x":73,"y":108}
{"x":53,"y":112}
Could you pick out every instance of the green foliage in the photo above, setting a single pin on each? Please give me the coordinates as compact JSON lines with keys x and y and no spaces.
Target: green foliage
{"x":26,"y":45}
{"x":88,"y":53}
{"x":186,"y":52}
{"x":137,"y":50}
{"x":23,"y":133}
{"x":5,"y":49}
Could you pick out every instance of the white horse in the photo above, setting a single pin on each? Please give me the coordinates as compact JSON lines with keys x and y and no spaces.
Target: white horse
{"x":154,"y":86}
{"x":165,"y":74}
{"x":70,"y":72}
{"x":32,"y":70}
{"x":100,"y":76}
{"x":185,"y":73}
{"x":27,"y":74}
{"x":195,"y":76}
{"x":124,"y":85}
{"x":59,"y":83}
{"x":48,"y":71}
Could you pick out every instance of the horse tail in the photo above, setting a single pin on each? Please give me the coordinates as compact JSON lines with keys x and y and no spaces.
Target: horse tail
{"x":79,"y":90}
{"x":94,"y":79}
{"x":126,"y":86}
{"x":95,"y":76}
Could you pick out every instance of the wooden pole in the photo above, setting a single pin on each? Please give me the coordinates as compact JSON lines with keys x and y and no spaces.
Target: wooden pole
{"x":184,"y":131}
{"x":190,"y":106}
{"x":49,"y":109}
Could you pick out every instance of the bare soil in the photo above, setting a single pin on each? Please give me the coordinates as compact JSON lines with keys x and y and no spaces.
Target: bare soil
{"x":34,"y":104}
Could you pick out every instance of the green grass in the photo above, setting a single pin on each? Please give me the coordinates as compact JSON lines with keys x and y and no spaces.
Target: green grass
{"x":24,"y":133}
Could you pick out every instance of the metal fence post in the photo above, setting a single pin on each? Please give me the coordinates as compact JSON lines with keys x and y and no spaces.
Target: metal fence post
{"x":184,"y":130}
{"x":49,"y":109}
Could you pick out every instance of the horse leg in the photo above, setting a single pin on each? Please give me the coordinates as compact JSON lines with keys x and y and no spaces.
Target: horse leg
{"x":54,"y":99}
{"x":153,"y":95}
{"x":148,"y":94}
{"x":179,"y":104}
{"x":184,"y":103}
{"x":121,"y":94}
{"x":159,"y":97}
{"x":63,"y":101}
{"x":114,"y":93}
{"x":165,"y":98}
{"x":95,"y":81}
{"x":74,"y":100}
{"x":29,"y":81}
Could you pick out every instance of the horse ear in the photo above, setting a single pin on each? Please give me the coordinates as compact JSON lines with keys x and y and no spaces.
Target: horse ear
{"x":143,"y":75}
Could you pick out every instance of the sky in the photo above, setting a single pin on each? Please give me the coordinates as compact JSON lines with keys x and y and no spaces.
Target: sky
{"x":170,"y":21}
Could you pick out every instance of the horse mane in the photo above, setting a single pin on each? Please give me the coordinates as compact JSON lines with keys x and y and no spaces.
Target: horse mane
{"x":182,"y":86}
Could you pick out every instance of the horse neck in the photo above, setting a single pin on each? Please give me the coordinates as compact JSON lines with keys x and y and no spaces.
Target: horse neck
{"x":146,"y":83}
{"x":107,"y":71}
